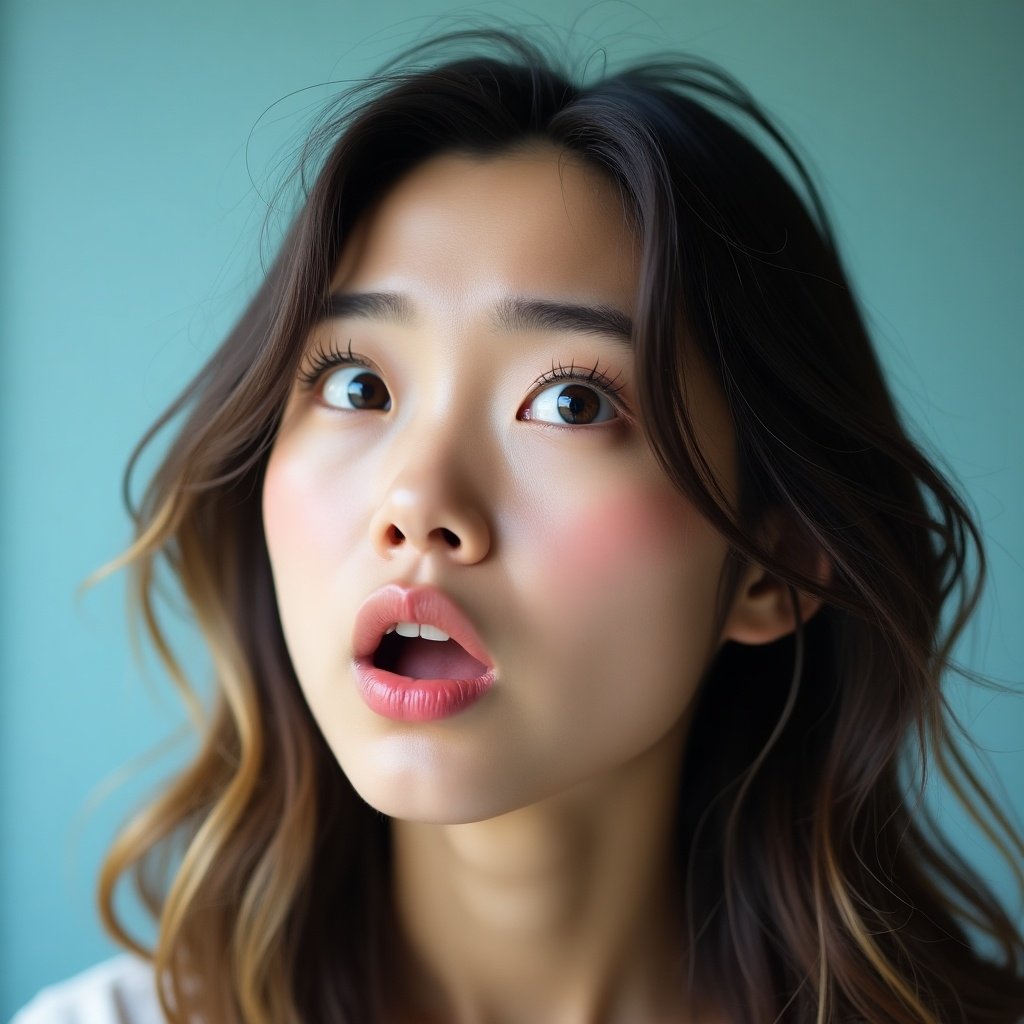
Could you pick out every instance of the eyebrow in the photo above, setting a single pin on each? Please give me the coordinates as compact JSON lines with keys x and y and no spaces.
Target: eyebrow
{"x":543,"y":314}
{"x":516,"y":313}
{"x":388,"y":306}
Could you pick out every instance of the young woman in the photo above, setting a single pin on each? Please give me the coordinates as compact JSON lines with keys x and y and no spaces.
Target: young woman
{"x":574,"y":591}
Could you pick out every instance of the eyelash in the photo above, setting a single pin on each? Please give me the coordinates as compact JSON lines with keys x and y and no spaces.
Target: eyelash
{"x":595,"y":376}
{"x":323,"y":360}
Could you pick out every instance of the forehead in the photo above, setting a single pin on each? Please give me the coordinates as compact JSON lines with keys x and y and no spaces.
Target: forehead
{"x":537,"y":222}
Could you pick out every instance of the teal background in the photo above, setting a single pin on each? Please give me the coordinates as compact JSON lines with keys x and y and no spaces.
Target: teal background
{"x":139,"y":142}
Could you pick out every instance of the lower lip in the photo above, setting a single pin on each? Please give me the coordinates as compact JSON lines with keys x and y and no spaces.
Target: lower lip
{"x":405,"y":699}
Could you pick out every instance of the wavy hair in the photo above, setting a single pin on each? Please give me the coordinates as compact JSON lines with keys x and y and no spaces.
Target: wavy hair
{"x":815,"y":885}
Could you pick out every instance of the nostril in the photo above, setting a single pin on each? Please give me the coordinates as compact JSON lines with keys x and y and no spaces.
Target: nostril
{"x":394,"y":536}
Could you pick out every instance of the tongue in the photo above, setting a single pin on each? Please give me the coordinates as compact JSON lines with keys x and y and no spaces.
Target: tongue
{"x":436,"y":659}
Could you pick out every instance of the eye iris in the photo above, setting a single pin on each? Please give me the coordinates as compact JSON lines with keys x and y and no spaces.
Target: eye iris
{"x":365,"y":390}
{"x":578,"y":404}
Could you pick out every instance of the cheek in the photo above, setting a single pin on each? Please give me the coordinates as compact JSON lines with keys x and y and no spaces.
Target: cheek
{"x":622,"y":537}
{"x":632,"y":577}
{"x":311,"y":526}
{"x":307,"y":510}
{"x":623,"y":629}
{"x":288,"y":512}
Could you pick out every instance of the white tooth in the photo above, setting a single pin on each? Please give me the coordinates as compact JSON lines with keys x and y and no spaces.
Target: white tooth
{"x":432,"y":633}
{"x":390,"y":629}
{"x":407,"y":628}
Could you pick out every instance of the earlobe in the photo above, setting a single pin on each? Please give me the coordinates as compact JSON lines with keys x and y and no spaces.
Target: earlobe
{"x":762,"y":610}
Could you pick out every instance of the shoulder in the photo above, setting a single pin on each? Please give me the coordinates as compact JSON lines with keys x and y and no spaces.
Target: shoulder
{"x":118,"y":991}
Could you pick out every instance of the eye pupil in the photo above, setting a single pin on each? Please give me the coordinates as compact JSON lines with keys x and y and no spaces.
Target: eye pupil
{"x":578,"y":404}
{"x":366,"y":391}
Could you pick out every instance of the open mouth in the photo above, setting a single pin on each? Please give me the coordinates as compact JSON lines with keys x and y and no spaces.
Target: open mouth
{"x":417,"y":658}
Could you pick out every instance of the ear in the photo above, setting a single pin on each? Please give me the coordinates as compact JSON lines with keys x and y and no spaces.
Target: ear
{"x":762,"y":609}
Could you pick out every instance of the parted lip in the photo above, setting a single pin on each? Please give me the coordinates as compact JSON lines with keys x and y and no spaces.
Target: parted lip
{"x":395,"y":603}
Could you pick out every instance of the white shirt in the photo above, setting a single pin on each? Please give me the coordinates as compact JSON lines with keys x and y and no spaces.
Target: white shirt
{"x":118,"y":991}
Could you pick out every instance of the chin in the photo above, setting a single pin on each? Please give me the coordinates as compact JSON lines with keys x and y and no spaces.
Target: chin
{"x":431,"y":810}
{"x":421,"y":797}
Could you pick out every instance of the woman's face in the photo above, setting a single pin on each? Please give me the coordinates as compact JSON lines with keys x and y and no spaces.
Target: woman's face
{"x":447,"y":460}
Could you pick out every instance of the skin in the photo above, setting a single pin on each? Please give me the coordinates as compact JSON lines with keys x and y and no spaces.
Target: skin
{"x":531,"y":829}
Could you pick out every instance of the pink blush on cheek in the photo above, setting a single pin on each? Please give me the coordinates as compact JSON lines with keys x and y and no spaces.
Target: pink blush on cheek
{"x":619,"y":535}
{"x":305,"y":521}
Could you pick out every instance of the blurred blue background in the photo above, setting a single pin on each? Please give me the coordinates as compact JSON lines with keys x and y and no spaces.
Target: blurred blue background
{"x":139,"y":144}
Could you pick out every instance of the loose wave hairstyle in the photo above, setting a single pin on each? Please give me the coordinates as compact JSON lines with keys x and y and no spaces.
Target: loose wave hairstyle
{"x":815,"y":885}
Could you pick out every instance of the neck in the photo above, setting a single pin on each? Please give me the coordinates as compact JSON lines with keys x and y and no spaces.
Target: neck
{"x":565,"y":910}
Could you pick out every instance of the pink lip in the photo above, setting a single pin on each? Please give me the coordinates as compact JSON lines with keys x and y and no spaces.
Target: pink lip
{"x":401,"y":697}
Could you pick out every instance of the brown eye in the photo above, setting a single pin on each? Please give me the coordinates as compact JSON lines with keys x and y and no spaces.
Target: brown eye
{"x":577,"y":404}
{"x":355,"y":387}
{"x":572,"y":404}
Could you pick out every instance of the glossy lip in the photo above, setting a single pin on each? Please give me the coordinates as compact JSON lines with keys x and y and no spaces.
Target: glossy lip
{"x":401,"y":697}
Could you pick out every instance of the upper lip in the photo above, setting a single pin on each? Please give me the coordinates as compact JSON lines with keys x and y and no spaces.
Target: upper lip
{"x":394,"y":603}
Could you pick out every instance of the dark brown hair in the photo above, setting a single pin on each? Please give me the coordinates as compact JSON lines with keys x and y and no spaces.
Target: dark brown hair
{"x":816,"y":886}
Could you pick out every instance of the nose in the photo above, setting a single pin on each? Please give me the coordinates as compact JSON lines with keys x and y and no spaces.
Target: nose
{"x":431,"y":507}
